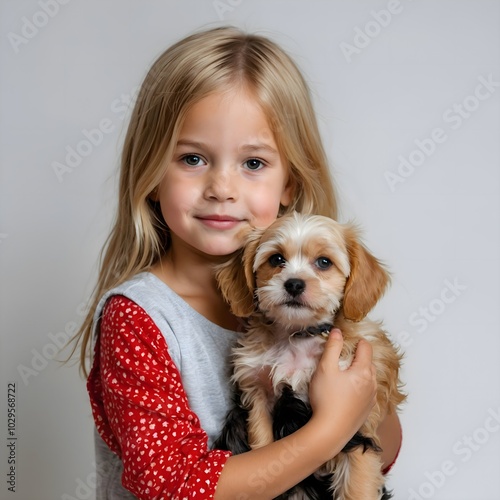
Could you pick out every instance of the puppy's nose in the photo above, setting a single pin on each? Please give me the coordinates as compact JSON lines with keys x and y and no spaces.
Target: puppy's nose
{"x":295,"y":286}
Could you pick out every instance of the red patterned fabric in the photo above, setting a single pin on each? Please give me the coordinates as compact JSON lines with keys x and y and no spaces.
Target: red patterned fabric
{"x":142,"y":413}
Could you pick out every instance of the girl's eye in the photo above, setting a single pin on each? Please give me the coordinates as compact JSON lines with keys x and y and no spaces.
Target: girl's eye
{"x":192,"y":160}
{"x":323,"y":263}
{"x":277,"y":260}
{"x":254,"y":164}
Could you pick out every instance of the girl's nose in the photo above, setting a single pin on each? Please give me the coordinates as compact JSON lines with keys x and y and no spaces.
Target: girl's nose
{"x":221,"y":185}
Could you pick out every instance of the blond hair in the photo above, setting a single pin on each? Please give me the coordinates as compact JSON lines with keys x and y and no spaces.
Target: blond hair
{"x":199,"y":65}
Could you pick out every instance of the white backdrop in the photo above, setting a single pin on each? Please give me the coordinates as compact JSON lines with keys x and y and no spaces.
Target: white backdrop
{"x":407,"y":94}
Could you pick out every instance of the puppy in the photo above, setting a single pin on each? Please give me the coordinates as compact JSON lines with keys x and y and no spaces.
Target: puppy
{"x":293,"y":282}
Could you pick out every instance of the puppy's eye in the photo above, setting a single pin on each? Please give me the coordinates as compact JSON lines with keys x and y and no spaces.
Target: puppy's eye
{"x":277,"y":260}
{"x":323,"y":263}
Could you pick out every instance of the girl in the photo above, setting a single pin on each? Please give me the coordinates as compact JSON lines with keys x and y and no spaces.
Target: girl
{"x":222,"y":138}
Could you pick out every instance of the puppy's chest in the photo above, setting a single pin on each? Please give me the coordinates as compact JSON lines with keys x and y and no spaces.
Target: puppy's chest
{"x":291,"y":361}
{"x":299,"y":353}
{"x":294,"y":361}
{"x":295,"y":355}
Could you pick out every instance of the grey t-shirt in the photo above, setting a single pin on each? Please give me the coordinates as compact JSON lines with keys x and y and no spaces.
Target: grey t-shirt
{"x":199,"y":348}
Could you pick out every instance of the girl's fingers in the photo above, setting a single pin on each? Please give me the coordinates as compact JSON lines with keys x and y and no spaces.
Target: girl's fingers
{"x":362,"y":358}
{"x":364,"y":354}
{"x":333,"y":346}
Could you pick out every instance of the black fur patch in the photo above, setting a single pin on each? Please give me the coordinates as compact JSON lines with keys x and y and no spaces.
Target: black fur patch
{"x":359,"y":440}
{"x":387,"y":495}
{"x":312,"y":487}
{"x":289,"y":414}
{"x":234,"y":435}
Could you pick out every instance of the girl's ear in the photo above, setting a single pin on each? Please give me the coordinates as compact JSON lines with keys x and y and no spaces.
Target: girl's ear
{"x":236,"y":278}
{"x":288,"y":192}
{"x":366,"y":282}
{"x":153,"y":196}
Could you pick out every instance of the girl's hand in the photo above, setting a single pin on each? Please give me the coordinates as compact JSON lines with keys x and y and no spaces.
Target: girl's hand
{"x":343,"y":398}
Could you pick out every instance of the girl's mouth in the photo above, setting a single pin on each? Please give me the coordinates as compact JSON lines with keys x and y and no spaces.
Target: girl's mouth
{"x":216,"y":221}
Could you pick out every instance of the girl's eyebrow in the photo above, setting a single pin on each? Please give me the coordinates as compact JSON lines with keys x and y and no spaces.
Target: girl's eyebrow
{"x":245,"y":148}
{"x":192,"y":144}
{"x":259,"y":146}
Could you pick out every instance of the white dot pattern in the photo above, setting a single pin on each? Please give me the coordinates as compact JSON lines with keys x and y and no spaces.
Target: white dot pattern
{"x":141,"y":410}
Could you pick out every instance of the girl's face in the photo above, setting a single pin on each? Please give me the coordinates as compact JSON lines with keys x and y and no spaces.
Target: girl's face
{"x":226,"y":174}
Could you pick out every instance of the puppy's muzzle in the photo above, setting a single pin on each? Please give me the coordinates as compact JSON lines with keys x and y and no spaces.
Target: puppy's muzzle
{"x":295,"y":286}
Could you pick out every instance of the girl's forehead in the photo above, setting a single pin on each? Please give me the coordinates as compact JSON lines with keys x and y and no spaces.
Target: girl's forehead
{"x":233,"y":115}
{"x":226,"y":102}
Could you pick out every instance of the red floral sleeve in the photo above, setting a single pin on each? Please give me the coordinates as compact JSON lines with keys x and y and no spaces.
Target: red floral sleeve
{"x":142,"y":412}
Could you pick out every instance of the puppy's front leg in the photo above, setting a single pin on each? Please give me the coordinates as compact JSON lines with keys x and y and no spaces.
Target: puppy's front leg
{"x":260,"y":426}
{"x":358,"y":475}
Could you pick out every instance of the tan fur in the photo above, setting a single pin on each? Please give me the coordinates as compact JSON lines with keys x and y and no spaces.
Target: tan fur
{"x":260,"y":432}
{"x":357,"y":475}
{"x":367,"y":281}
{"x":355,"y":290}
{"x":236,"y":279}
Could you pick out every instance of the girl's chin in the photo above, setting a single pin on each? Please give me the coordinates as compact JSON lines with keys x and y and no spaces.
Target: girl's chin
{"x":220,"y":254}
{"x":219,"y":250}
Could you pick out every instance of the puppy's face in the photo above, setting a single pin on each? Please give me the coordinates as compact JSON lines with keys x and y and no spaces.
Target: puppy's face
{"x":301,"y":267}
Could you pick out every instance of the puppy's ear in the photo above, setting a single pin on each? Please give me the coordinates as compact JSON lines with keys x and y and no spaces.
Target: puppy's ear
{"x":366,"y":282}
{"x":236,"y":279}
